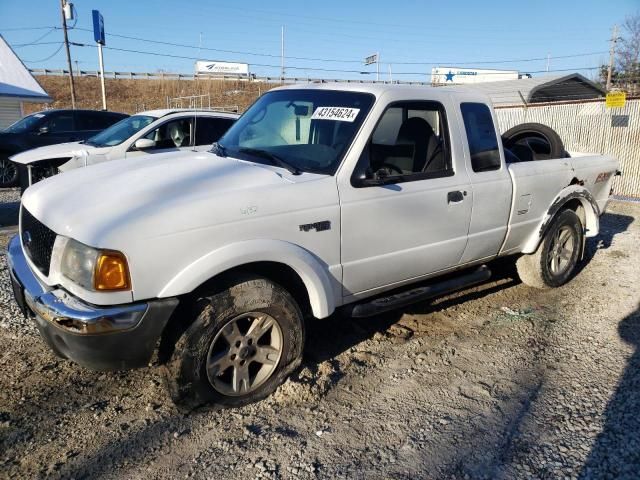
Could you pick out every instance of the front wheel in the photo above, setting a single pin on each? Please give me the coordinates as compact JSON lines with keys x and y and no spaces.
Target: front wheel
{"x":554,"y":262}
{"x":243,"y":344}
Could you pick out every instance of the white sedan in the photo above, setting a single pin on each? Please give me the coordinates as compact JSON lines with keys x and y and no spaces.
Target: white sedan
{"x":145,"y":133}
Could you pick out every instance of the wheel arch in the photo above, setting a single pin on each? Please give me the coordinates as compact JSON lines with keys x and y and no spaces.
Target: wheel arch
{"x":305,"y":276}
{"x":574,"y":197}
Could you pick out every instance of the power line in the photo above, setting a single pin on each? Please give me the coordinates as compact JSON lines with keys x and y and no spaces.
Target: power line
{"x":16,"y":29}
{"x":49,"y":57}
{"x":333,"y":60}
{"x":20,"y":45}
{"x":182,"y":57}
{"x":35,"y":42}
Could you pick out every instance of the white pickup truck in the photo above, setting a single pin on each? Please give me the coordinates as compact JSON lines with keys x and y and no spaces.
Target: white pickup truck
{"x":320,"y":197}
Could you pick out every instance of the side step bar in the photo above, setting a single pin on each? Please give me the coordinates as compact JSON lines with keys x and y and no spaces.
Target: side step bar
{"x":402,"y":299}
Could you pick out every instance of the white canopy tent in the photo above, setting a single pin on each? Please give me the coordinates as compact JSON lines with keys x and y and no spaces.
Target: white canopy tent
{"x":17,"y":85}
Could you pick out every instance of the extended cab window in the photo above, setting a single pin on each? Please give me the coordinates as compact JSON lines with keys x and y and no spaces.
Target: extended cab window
{"x":481,"y":135}
{"x":410,"y":141}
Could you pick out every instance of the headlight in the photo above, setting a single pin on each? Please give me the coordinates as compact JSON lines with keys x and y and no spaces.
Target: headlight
{"x":94,"y":269}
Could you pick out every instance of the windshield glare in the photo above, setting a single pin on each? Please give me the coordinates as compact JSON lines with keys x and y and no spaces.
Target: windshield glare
{"x":309,"y":129}
{"x":25,"y":124}
{"x":119,"y":132}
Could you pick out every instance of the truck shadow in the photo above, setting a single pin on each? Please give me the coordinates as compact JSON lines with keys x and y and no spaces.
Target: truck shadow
{"x":611,"y":224}
{"x":332,"y":336}
{"x":616,"y":451}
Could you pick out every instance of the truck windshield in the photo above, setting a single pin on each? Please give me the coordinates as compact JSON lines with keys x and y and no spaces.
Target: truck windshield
{"x":304,"y":130}
{"x":25,"y":124}
{"x":119,"y":132}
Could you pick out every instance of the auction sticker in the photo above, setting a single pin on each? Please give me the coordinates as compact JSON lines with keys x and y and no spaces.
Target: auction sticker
{"x":341,"y":114}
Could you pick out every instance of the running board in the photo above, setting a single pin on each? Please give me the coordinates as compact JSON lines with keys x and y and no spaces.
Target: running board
{"x":402,"y":299}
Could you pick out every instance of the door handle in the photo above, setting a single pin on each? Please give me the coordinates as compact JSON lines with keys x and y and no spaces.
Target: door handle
{"x":455,"y":197}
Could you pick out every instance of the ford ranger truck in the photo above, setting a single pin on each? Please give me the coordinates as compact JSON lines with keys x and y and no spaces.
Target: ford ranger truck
{"x":320,"y":197}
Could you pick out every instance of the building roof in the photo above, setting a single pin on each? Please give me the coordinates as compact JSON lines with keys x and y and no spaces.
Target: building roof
{"x":548,"y":88}
{"x":15,"y":79}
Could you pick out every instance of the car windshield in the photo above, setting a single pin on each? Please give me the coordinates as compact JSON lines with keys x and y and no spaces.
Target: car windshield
{"x":302,"y":130}
{"x":119,"y":132}
{"x":25,"y":124}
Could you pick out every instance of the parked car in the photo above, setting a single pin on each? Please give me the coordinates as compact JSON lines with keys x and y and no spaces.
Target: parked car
{"x":143,"y":134}
{"x":47,"y":128}
{"x":359,"y":197}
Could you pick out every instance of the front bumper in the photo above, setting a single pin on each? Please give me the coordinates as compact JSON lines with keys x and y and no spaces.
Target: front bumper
{"x":101,"y":338}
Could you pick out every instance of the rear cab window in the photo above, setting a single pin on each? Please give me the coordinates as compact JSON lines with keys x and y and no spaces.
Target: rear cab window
{"x":59,"y":122}
{"x":210,"y":129}
{"x":94,"y":120}
{"x":481,"y":137}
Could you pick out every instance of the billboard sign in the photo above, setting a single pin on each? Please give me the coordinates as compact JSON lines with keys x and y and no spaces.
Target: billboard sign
{"x":455,"y":75}
{"x":98,"y":27}
{"x":222,"y":68}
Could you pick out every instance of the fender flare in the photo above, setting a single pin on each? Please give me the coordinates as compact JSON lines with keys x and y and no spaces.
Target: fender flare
{"x":312,"y":271}
{"x":572,"y":192}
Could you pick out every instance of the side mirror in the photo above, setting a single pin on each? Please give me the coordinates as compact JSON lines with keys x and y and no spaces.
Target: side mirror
{"x":43,"y":130}
{"x":144,"y":143}
{"x":379,"y":178}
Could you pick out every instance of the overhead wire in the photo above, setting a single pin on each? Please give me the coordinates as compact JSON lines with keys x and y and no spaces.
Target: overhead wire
{"x":292,"y":67}
{"x":334,"y":60}
{"x":47,"y":58}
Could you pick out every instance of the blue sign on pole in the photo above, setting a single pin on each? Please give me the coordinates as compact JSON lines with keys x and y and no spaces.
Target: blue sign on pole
{"x":98,"y":27}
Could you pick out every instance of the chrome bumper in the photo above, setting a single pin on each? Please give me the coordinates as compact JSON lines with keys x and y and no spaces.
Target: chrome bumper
{"x":103,"y":338}
{"x":64,"y":310}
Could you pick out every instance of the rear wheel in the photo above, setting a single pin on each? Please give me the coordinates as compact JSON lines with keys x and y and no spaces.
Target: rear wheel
{"x":244,"y":343}
{"x":8,"y":173}
{"x":557,"y":256}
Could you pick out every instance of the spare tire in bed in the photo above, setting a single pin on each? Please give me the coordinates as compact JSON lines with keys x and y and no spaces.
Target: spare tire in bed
{"x":533,"y":141}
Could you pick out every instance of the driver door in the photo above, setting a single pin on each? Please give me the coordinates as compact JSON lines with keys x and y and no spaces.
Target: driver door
{"x":417,"y":223}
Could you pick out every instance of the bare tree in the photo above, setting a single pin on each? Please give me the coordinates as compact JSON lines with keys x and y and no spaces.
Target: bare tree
{"x":629,"y":44}
{"x":628,"y":55}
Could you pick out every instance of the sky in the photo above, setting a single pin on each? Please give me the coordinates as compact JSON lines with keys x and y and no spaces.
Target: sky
{"x":324,"y":39}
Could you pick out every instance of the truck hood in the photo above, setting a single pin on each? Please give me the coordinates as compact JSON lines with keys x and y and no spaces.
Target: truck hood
{"x":61,"y":150}
{"x":145,"y":197}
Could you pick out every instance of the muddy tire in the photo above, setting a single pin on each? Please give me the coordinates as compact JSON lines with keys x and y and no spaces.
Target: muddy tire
{"x":554,"y":262}
{"x":243,"y":344}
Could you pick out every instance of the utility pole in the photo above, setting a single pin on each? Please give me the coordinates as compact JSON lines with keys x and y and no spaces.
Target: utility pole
{"x":612,"y":54}
{"x":66,"y":45}
{"x":548,"y":60}
{"x":282,"y":54}
{"x":377,"y":66}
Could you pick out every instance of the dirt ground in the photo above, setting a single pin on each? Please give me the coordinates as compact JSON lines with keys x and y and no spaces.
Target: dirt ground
{"x":499,"y":381}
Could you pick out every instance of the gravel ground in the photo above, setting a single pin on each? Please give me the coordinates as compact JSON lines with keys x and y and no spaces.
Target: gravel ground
{"x":499,"y":381}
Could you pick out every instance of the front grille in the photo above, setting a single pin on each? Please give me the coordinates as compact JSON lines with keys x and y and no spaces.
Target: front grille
{"x":37,"y":240}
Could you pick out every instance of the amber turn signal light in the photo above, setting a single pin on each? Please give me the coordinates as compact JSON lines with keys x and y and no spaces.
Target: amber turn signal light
{"x":112,"y":272}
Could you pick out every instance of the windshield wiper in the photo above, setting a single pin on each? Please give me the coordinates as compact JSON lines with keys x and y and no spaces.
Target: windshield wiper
{"x":218,"y":149}
{"x":273,"y":158}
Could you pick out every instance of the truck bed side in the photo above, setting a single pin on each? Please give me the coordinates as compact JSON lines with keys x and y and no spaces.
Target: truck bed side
{"x":540,"y":187}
